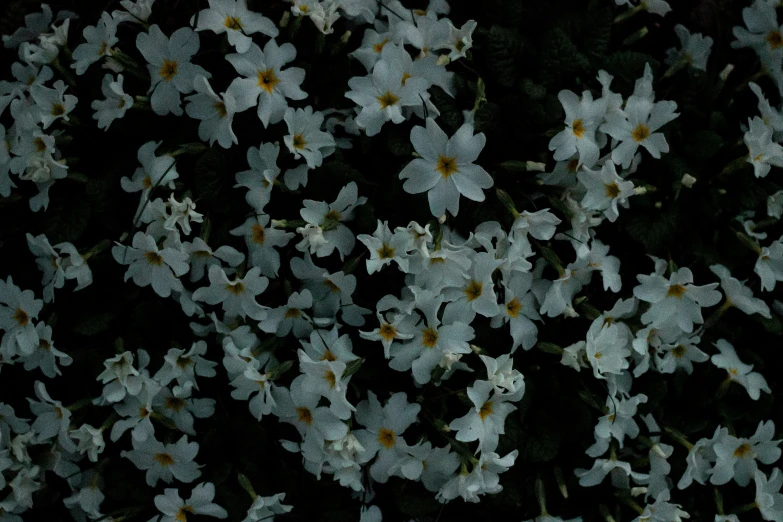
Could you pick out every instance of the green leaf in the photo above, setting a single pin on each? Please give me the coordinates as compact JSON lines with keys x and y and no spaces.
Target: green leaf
{"x":703,"y":145}
{"x":92,"y":323}
{"x":486,"y":117}
{"x":561,"y":57}
{"x":503,"y":49}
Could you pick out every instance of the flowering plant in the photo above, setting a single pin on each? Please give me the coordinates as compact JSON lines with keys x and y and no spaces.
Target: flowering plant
{"x":390,"y":259}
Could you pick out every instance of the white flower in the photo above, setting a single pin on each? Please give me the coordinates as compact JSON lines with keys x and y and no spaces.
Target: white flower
{"x":695,"y":49}
{"x":150,"y":265}
{"x":485,"y":422}
{"x":175,"y":509}
{"x":137,"y":12}
{"x":382,"y":435}
{"x":215,"y":112}
{"x":662,"y":510}
{"x":739,"y":295}
{"x":300,"y":408}
{"x":385,"y":247}
{"x":330,"y":218}
{"x":100,"y":39}
{"x":620,"y":472}
{"x":236,"y":20}
{"x":605,"y":190}
{"x":304,"y":138}
{"x":446,"y":169}
{"x":459,"y":40}
{"x":325,"y":378}
{"x":768,"y":497}
{"x":262,"y":240}
{"x":18,"y":309}
{"x":46,"y":356}
{"x":115,"y":105}
{"x":676,"y":301}
{"x":384,"y":93}
{"x":238,"y":297}
{"x":700,"y":460}
{"x":120,"y":377}
{"x":169,"y":66}
{"x":202,"y":256}
{"x":165,"y":462}
{"x":52,"y":419}
{"x":90,"y":441}
{"x":636,"y":124}
{"x":763,"y":152}
{"x":738,"y":371}
{"x":607,"y":347}
{"x":52,"y":104}
{"x":184,"y":366}
{"x":265,"y":508}
{"x":769,"y":265}
{"x":519,"y":311}
{"x":736,"y":457}
{"x":582,"y":118}
{"x":182,"y":213}
{"x":265,"y":83}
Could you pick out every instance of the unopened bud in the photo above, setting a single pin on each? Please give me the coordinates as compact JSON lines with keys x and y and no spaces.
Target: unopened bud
{"x":284,"y":19}
{"x":635,"y":492}
{"x":639,"y":191}
{"x":724,"y":74}
{"x":656,"y":448}
{"x":688,"y":181}
{"x":442,"y":219}
{"x":658,"y":204}
{"x":443,"y":60}
{"x":345,"y":37}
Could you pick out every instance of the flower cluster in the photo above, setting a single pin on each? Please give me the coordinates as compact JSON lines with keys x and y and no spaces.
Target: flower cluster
{"x":379,"y":346}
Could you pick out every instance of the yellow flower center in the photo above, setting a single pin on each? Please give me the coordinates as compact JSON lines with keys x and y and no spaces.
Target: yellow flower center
{"x":331,"y":378}
{"x":58,"y":109}
{"x":640,"y":133}
{"x":742,"y":450}
{"x":182,"y":513}
{"x":175,"y":403}
{"x":329,"y":356}
{"x":446,"y":166}
{"x":153,"y":258}
{"x":429,"y":337}
{"x":385,"y":252}
{"x":612,"y":190}
{"x":387,"y":438}
{"x":513,"y":307}
{"x":233,"y":22}
{"x":293,"y":313}
{"x":305,"y":415}
{"x":39,"y":144}
{"x":387,"y":99}
{"x":405,"y":77}
{"x":235,"y":288}
{"x":485,"y":411}
{"x":299,"y":142}
{"x":676,"y":290}
{"x":578,"y":128}
{"x":220,"y":108}
{"x":267,"y":80}
{"x":387,"y":331}
{"x":775,"y":39}
{"x":679,"y":351}
{"x":473,"y":290}
{"x":21,"y":317}
{"x":169,"y":70}
{"x":380,"y":45}
{"x":164,"y":459}
{"x":258,"y":234}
